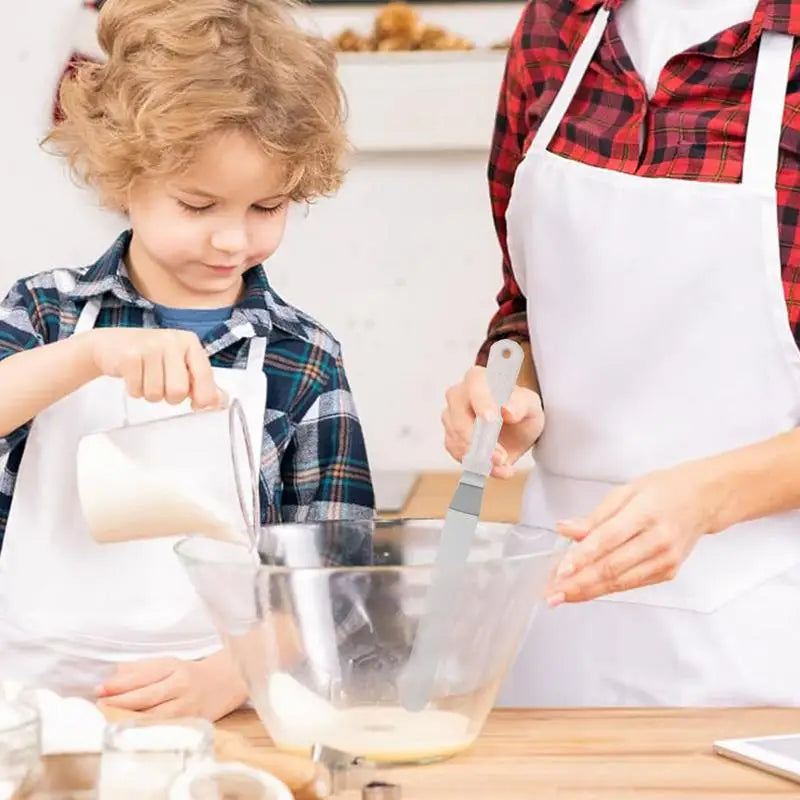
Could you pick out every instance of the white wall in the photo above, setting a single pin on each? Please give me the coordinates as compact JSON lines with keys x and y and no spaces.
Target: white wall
{"x":402,"y":265}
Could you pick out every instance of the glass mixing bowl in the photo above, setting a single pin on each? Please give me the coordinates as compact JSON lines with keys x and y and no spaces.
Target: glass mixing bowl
{"x":321,"y":621}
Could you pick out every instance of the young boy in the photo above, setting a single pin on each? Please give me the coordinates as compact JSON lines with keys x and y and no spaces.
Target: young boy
{"x":206,"y":120}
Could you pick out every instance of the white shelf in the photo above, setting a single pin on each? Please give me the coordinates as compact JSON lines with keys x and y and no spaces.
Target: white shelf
{"x":407,"y":101}
{"x":421,"y":101}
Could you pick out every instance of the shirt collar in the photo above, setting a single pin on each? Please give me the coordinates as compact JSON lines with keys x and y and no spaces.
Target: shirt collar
{"x":782,"y":16}
{"x":591,"y":5}
{"x":778,"y":15}
{"x":257,"y":313}
{"x":109,"y":275}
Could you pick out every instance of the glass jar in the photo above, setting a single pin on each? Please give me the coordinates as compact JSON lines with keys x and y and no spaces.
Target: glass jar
{"x":142,"y":758}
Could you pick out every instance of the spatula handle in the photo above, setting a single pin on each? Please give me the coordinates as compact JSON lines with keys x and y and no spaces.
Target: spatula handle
{"x":502,"y":371}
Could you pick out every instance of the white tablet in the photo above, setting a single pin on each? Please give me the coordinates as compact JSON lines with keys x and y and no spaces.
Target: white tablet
{"x":777,"y":754}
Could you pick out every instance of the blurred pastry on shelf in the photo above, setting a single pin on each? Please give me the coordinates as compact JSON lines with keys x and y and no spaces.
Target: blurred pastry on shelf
{"x":434,"y":38}
{"x":396,"y":21}
{"x":350,"y":41}
{"x":397,"y":27}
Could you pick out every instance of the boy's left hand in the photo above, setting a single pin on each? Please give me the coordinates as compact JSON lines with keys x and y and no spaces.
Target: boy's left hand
{"x":170,"y":687}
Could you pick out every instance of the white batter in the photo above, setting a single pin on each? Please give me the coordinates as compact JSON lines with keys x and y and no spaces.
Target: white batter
{"x":378,"y":733}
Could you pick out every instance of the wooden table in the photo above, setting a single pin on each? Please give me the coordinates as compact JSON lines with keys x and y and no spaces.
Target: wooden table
{"x":640,"y":754}
{"x":605,"y":754}
{"x":434,"y":491}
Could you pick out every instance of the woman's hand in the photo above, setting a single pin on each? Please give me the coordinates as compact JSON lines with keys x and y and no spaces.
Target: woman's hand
{"x":640,"y":533}
{"x":523,"y":420}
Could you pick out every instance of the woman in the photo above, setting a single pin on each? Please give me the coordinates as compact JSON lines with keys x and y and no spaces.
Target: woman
{"x":634,"y":169}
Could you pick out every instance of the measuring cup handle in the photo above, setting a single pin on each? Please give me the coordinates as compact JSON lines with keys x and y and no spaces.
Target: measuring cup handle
{"x":246,"y":485}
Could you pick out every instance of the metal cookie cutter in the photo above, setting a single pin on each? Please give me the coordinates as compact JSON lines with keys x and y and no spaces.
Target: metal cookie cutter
{"x":377,"y":790}
{"x":343,"y":772}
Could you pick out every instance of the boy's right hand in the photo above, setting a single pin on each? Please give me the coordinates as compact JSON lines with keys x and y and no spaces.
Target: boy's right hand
{"x":523,"y":420}
{"x":157,"y":364}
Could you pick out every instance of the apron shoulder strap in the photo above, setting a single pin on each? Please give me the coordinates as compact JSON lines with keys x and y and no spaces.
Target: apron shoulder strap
{"x":88,"y":315}
{"x":255,"y":354}
{"x":580,"y":63}
{"x":765,"y":123}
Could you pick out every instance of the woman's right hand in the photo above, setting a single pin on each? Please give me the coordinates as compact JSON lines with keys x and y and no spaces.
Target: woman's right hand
{"x":157,"y":364}
{"x":523,"y":420}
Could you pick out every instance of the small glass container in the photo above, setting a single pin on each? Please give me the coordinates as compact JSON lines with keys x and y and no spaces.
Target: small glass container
{"x":20,"y":747}
{"x":141,"y":759}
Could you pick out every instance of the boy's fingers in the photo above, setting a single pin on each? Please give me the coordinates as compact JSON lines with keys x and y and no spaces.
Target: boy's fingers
{"x":204,"y":391}
{"x":176,"y":376}
{"x":143,"y":698}
{"x":135,"y":675}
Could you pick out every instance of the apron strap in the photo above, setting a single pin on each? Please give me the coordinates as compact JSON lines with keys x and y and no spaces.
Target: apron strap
{"x":580,"y":63}
{"x":762,"y":143}
{"x":88,"y":315}
{"x":255,"y":354}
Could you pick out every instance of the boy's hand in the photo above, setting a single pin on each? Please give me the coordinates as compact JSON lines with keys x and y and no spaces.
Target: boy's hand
{"x":158,"y":364}
{"x":523,"y":420}
{"x":169,"y":687}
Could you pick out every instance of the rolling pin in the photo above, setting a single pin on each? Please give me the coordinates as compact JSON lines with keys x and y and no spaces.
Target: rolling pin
{"x":301,"y":775}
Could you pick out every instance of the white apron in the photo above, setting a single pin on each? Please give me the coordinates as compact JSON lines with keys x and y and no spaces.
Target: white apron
{"x":70,"y":608}
{"x":660,"y":333}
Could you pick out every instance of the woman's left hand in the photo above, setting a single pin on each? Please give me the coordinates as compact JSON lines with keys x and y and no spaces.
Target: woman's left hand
{"x":639,"y":534}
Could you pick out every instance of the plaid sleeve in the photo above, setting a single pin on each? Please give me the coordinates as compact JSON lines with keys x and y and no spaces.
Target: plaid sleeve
{"x":21,"y":328}
{"x":508,"y":143}
{"x":325,"y":470}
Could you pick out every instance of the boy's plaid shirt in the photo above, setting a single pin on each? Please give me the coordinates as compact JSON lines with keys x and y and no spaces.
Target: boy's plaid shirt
{"x":314,"y":461}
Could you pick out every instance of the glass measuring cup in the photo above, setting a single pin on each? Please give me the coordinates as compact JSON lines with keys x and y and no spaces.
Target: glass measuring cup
{"x":184,"y":474}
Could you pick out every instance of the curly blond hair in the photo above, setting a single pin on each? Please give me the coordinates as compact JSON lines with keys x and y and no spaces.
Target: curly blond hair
{"x":179,"y":71}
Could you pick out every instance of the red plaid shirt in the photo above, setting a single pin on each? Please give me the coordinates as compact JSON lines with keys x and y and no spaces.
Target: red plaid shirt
{"x":694,"y":125}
